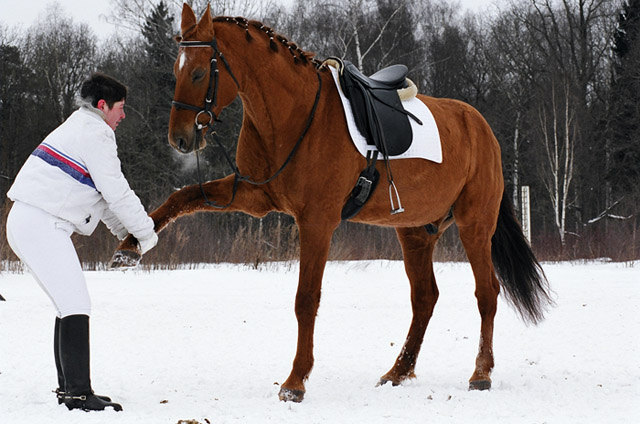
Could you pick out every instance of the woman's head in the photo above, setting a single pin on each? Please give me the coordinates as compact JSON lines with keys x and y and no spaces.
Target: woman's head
{"x":107,"y":94}
{"x":102,"y":87}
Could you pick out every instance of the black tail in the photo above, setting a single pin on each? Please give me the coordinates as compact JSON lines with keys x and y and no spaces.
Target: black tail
{"x":525,"y":285}
{"x":1,"y":298}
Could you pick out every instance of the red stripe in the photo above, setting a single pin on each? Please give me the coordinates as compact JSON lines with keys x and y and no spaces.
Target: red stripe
{"x":65,"y":160}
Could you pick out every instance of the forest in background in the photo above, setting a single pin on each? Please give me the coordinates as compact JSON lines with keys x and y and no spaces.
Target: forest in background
{"x":558,"y":81}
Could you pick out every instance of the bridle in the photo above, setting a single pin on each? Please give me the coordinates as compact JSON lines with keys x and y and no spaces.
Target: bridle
{"x":211,"y":100}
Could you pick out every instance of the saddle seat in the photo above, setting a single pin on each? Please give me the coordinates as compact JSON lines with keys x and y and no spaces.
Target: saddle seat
{"x":393,"y":77}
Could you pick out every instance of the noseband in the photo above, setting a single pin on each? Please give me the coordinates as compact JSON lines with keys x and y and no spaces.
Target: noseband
{"x":211,"y":99}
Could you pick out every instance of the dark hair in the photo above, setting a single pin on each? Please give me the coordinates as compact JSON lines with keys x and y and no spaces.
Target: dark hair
{"x":101,"y":86}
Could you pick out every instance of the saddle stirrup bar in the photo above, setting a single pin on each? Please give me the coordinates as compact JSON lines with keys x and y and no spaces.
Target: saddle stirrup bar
{"x":399,"y":209}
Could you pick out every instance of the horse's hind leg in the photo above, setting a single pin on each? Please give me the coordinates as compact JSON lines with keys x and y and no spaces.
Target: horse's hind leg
{"x":477,"y":243}
{"x":417,"y":249}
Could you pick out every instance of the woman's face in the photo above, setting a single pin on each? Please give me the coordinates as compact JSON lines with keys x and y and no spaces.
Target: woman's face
{"x":112,"y":115}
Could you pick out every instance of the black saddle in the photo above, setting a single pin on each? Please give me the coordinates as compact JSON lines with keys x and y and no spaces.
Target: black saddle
{"x":393,"y":77}
{"x":377,"y":108}
{"x":382,"y":120}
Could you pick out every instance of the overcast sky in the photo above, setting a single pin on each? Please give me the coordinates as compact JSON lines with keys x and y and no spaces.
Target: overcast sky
{"x":24,"y":12}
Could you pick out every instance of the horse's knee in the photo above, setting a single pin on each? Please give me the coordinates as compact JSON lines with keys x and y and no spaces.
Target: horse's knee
{"x":424,"y":295}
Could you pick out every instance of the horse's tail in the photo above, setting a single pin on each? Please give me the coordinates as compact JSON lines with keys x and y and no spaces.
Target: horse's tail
{"x":525,"y":285}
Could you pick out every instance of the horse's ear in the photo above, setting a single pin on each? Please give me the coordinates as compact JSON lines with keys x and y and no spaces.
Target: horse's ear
{"x":188,"y":18}
{"x":205,"y":23}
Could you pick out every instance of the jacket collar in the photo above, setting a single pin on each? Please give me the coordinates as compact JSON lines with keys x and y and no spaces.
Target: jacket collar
{"x":87,"y":108}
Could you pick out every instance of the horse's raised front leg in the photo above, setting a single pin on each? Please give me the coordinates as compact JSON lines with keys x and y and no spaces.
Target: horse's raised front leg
{"x":417,"y":250}
{"x":315,"y":239}
{"x":249,"y":199}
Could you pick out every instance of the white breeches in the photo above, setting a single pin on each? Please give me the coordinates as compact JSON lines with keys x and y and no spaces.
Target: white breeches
{"x":43,"y":242}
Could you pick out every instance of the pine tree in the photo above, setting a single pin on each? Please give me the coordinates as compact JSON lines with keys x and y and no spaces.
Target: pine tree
{"x":624,"y":171}
{"x":146,"y":156}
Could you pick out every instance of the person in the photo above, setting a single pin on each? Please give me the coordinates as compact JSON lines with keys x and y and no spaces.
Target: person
{"x":70,"y":182}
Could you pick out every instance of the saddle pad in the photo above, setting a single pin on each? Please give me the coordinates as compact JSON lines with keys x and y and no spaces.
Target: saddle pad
{"x":426,"y":139}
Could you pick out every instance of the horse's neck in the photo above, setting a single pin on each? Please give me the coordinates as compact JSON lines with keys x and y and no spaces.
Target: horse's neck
{"x":276,"y":103}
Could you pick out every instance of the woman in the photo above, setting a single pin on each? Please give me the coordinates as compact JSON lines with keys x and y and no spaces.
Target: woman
{"x":71,"y":181}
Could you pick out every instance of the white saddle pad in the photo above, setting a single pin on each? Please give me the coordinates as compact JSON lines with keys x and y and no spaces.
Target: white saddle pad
{"x":426,"y":139}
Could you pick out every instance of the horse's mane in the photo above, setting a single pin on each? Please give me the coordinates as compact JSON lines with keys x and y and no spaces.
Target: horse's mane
{"x":299,"y":56}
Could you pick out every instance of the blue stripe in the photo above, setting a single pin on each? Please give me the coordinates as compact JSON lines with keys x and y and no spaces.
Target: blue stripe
{"x":65,"y":156}
{"x":75,"y":174}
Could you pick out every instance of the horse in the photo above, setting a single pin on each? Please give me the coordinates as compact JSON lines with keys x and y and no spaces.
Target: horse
{"x":295,"y":147}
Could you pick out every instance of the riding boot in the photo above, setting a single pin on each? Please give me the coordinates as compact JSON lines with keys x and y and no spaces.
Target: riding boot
{"x":56,"y":354}
{"x":74,"y":358}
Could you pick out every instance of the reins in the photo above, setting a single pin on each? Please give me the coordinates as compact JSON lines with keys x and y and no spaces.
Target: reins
{"x":211,"y":101}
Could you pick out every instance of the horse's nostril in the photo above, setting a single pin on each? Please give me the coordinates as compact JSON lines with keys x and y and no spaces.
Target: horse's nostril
{"x":182,"y":145}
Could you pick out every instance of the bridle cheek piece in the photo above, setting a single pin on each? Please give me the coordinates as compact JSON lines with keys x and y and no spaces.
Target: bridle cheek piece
{"x":211,"y":98}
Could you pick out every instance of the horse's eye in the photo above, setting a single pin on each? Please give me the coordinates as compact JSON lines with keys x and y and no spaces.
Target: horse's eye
{"x":197,"y":74}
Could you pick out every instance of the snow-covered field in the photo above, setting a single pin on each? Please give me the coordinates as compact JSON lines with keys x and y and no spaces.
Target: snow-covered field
{"x":212,"y":344}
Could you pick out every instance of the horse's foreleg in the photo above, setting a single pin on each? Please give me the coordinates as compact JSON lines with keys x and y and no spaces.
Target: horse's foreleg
{"x":188,"y":200}
{"x":315,"y":239}
{"x":417,"y":249}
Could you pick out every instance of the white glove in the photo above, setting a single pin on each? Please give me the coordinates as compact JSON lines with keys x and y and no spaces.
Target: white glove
{"x":148,"y":243}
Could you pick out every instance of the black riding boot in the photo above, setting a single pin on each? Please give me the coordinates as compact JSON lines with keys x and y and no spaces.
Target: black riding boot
{"x":74,"y":358}
{"x":56,"y":354}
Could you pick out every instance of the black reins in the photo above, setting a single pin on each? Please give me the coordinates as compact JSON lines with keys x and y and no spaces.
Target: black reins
{"x":211,"y":101}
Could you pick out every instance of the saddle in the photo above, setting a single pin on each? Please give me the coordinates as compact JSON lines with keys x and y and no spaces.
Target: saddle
{"x":377,"y":107}
{"x":381,"y":119}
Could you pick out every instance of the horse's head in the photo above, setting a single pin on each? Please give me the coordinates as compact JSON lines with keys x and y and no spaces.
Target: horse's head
{"x":202,"y":90}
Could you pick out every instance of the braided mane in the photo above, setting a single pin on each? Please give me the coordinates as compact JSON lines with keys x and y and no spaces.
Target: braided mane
{"x":299,"y":56}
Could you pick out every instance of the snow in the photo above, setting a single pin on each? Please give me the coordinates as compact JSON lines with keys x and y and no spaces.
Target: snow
{"x":214,"y":343}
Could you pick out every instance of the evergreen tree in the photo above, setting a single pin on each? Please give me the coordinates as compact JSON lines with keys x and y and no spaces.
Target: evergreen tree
{"x":624,"y":123}
{"x":146,"y":156}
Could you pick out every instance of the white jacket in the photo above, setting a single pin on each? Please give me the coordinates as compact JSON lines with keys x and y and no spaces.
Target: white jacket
{"x":75,"y":174}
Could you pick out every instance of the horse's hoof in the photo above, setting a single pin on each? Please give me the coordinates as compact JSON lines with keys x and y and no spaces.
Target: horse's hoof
{"x":480,"y":385}
{"x":288,"y":395}
{"x":384,"y":381}
{"x":123,"y":259}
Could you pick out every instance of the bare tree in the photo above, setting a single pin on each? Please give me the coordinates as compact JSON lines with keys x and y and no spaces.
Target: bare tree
{"x":132,"y":14}
{"x":558,"y":136}
{"x":566,"y":43}
{"x":62,"y":54}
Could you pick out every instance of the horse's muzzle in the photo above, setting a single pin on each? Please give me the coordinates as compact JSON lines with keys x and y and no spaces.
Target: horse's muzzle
{"x":185,"y":141}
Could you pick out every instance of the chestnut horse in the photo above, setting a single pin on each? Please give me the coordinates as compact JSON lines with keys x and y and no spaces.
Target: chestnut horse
{"x":293,"y":127}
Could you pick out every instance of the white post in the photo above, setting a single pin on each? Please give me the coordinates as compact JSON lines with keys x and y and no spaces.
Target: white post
{"x":526,"y":214}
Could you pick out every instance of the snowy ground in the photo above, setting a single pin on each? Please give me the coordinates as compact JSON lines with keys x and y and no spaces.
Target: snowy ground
{"x":212,"y":345}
